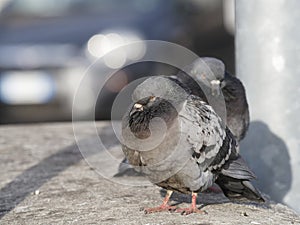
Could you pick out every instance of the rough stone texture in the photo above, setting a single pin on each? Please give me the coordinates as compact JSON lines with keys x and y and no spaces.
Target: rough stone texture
{"x":44,"y":180}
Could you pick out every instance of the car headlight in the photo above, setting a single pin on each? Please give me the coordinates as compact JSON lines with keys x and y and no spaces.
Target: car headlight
{"x":102,"y":45}
{"x":26,"y":87}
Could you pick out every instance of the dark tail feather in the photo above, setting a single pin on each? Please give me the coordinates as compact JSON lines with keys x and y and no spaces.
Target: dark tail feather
{"x":234,"y":181}
{"x":236,"y":189}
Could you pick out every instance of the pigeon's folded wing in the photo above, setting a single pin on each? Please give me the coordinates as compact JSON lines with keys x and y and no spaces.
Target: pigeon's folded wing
{"x":210,"y":140}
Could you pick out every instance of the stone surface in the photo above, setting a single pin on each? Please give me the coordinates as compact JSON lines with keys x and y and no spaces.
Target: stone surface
{"x":45,"y":180}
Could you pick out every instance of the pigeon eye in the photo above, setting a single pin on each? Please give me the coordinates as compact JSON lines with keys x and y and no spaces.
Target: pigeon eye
{"x":152,"y":99}
{"x":215,"y":82}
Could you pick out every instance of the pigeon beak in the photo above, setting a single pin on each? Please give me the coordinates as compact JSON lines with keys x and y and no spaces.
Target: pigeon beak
{"x":215,"y":87}
{"x":136,"y":108}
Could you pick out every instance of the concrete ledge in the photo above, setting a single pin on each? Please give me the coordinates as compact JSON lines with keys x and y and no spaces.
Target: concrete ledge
{"x":44,"y":180}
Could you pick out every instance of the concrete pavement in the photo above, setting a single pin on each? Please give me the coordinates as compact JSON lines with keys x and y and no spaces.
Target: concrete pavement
{"x":45,"y":180}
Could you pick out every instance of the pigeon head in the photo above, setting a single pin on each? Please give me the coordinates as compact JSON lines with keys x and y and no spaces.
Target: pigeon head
{"x":144,"y":110}
{"x":209,"y":71}
{"x":162,"y":88}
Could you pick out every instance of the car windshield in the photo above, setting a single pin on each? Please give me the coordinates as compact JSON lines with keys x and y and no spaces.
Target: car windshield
{"x":54,"y":8}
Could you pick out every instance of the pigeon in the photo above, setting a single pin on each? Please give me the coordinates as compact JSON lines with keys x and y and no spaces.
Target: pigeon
{"x":207,"y":77}
{"x":211,"y":72}
{"x":181,"y":144}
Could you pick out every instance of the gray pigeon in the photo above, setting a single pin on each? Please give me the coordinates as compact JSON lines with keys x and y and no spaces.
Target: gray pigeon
{"x":205,"y":78}
{"x":211,"y":73}
{"x":180,"y":143}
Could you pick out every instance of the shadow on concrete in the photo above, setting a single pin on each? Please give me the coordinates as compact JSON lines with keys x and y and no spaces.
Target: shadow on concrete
{"x":268,"y":156}
{"x":33,"y":178}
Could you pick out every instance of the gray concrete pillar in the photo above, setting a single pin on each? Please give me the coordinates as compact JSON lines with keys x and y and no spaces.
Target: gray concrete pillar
{"x":268,"y":62}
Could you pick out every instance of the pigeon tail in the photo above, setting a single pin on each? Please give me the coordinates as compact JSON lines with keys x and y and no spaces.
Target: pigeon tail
{"x":236,"y":189}
{"x":234,"y":181}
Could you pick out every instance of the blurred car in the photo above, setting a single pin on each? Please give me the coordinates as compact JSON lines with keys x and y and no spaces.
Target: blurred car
{"x":45,"y":47}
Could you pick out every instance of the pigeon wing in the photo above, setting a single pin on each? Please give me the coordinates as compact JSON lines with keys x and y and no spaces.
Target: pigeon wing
{"x":210,"y":140}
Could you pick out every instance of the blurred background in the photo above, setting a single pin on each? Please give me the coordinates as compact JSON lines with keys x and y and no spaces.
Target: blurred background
{"x":47,"y":45}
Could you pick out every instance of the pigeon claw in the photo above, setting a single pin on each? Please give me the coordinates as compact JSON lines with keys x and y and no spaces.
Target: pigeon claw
{"x":160,"y":208}
{"x":163,"y":207}
{"x":190,"y":210}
